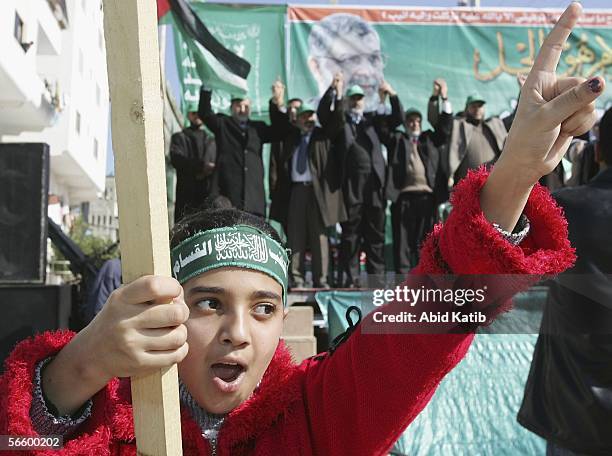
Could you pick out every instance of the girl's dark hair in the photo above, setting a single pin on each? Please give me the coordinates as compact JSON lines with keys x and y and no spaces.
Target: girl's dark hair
{"x":217,"y":218}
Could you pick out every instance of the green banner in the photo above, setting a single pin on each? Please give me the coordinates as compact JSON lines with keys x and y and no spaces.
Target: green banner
{"x":255,"y":33}
{"x":479,"y":50}
{"x":475,"y":50}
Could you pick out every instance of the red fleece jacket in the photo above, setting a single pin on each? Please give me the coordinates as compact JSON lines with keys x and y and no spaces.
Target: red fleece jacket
{"x":357,"y":401}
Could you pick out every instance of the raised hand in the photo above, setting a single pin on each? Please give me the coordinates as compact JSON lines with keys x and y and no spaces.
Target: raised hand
{"x":440,"y":88}
{"x":278,"y":92}
{"x":385,"y":89}
{"x":551,"y":111}
{"x":338,"y":83}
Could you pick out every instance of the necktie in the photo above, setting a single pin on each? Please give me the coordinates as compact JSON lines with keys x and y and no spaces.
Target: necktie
{"x":302,"y":158}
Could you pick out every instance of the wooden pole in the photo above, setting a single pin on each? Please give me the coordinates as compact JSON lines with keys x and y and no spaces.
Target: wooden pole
{"x":132,"y":54}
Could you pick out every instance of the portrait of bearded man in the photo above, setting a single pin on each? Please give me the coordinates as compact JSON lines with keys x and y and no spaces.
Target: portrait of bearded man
{"x":346,"y":43}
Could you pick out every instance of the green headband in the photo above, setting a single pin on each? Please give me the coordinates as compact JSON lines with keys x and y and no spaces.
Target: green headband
{"x":240,"y":246}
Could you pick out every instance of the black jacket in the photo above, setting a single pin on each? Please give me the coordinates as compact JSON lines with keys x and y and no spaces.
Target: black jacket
{"x":239,"y":171}
{"x":356,"y":142}
{"x":190,"y":149}
{"x":568,"y":395}
{"x":324,"y":163}
{"x":429,"y":145}
{"x":278,"y":183}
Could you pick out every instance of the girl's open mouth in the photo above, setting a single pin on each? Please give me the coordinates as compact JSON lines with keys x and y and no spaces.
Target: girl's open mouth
{"x":227,"y":376}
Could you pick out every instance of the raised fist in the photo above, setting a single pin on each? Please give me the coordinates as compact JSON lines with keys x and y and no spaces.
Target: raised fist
{"x":278,"y":92}
{"x":385,"y":89}
{"x":440,"y":89}
{"x":338,"y":83}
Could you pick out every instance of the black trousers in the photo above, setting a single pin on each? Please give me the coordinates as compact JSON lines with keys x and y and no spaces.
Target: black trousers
{"x":363,"y":229}
{"x":412,"y":218}
{"x":306,"y":228}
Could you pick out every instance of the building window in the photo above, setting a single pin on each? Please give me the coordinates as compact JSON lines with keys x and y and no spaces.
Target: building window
{"x":80,"y":61}
{"x":77,"y":124}
{"x":98,"y":96}
{"x":18,"y":31}
{"x":83,"y":5}
{"x":95,"y":148}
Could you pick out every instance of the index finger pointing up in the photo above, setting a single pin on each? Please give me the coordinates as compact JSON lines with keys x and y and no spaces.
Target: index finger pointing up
{"x":549,"y":54}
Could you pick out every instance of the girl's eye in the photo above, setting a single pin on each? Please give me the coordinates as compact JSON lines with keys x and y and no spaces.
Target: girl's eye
{"x":208,"y":304}
{"x":265,"y":309}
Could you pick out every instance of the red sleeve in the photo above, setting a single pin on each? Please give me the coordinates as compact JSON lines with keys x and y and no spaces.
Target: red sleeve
{"x":16,"y":397}
{"x":362,"y":397}
{"x":469,"y":244}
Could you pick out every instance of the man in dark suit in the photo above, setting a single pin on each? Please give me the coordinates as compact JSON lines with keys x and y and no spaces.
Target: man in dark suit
{"x":363,"y":173}
{"x":472,"y":140}
{"x":239,"y":171}
{"x":192,"y":154}
{"x":568,"y":395}
{"x":279,"y":198}
{"x":312,"y":169}
{"x":415,"y":185}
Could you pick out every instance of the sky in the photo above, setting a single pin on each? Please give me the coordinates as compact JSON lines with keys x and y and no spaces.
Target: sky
{"x":170,"y":64}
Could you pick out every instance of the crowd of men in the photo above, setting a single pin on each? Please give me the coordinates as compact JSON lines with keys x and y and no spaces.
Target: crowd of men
{"x":337,"y":164}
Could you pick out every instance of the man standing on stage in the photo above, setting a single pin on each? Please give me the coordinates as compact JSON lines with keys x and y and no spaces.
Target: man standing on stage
{"x":473,"y":140}
{"x":363,"y":173}
{"x":239,"y":172}
{"x":193,"y":154}
{"x":278,"y":182}
{"x":310,"y":173}
{"x":416,"y":184}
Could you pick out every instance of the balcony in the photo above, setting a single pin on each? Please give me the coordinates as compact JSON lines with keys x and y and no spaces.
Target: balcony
{"x":27,"y":37}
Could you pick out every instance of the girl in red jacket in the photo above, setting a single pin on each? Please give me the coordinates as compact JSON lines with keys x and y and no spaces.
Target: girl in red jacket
{"x":240,"y":392}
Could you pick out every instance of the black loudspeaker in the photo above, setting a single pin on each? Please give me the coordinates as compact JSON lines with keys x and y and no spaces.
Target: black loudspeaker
{"x":24,"y":189}
{"x":29,"y":310}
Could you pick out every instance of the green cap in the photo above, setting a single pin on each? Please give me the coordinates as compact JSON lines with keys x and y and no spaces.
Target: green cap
{"x":355,"y":90}
{"x":413,"y":111}
{"x":304,"y":108}
{"x":237,"y":97}
{"x":191,"y":107}
{"x":474,"y":98}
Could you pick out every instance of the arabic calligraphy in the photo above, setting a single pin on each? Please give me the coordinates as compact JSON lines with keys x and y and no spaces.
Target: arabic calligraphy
{"x":605,"y":61}
{"x":241,"y":246}
{"x":581,"y":61}
{"x":465,"y":16}
{"x":199,"y":250}
{"x":279,"y":260}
